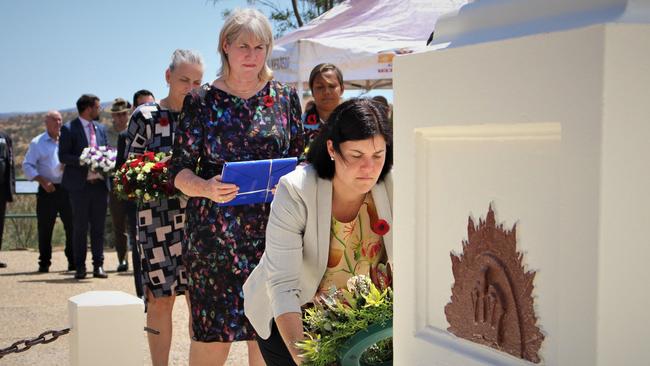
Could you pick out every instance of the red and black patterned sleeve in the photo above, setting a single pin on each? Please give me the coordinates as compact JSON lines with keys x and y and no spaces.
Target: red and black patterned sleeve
{"x":188,"y":136}
{"x":297,"y":135}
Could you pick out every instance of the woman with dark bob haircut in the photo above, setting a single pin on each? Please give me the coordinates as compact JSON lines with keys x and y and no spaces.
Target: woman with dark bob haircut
{"x":338,"y":207}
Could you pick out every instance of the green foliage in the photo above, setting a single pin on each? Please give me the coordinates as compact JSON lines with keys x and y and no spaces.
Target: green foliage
{"x":338,"y":316}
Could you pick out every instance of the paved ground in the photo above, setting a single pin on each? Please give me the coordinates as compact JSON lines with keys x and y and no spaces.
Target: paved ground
{"x":31,"y":303}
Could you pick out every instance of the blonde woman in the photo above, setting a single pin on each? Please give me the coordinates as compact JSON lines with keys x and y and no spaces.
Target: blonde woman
{"x":242,"y":115}
{"x":160,"y":223}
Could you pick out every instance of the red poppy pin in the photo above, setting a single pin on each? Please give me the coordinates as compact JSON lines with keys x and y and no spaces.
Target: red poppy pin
{"x":380,"y":227}
{"x":311,"y":119}
{"x":164,"y":121}
{"x":268,"y":101}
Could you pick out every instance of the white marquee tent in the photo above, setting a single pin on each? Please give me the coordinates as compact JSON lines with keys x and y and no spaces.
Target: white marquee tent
{"x":361,"y":37}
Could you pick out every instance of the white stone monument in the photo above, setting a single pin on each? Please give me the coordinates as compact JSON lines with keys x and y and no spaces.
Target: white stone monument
{"x":106,"y":329}
{"x":541,"y":110}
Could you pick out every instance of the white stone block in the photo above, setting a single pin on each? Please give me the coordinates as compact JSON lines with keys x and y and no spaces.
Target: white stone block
{"x":106,"y":329}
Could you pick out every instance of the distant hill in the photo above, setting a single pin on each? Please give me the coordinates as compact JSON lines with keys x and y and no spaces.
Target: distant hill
{"x":7,"y":115}
{"x":22,"y":128}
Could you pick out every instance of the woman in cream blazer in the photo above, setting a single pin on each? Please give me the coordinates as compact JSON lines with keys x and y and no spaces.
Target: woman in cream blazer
{"x":355,"y":153}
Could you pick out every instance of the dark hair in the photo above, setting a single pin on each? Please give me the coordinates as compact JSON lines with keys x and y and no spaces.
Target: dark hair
{"x":86,"y":101}
{"x":353,"y":120}
{"x":381,"y":99}
{"x":321,"y":68}
{"x":141,"y":93}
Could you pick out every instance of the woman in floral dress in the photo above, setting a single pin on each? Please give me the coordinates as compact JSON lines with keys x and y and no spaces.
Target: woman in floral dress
{"x":241,"y":116}
{"x":161,"y":222}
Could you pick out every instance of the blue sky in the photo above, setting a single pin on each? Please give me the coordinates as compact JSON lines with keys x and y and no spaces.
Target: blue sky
{"x":55,"y":50}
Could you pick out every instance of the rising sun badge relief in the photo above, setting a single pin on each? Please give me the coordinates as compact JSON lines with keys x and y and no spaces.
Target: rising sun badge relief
{"x":491,"y":300}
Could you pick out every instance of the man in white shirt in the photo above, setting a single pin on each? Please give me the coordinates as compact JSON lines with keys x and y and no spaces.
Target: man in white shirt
{"x":42,"y":164}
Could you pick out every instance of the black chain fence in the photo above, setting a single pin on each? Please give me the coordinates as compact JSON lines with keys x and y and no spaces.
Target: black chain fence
{"x":44,"y":338}
{"x":25,"y":344}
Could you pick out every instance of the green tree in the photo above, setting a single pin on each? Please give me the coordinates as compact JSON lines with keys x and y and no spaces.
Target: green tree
{"x":288,"y":18}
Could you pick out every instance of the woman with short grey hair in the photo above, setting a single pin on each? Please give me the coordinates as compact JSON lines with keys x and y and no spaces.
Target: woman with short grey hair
{"x":243,"y":115}
{"x":160,"y":223}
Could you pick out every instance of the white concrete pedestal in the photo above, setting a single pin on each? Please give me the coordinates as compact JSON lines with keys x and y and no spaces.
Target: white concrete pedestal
{"x":107,"y":329}
{"x":553,"y":130}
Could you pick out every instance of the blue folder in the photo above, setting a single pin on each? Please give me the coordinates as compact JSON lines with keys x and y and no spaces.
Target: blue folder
{"x":255,"y":178}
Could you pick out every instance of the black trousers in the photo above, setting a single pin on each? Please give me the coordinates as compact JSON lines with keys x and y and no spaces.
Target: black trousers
{"x":131,"y":209}
{"x":48,"y":205}
{"x":89,"y":207}
{"x":3,"y":210}
{"x":274,"y":350}
{"x":120,"y":221}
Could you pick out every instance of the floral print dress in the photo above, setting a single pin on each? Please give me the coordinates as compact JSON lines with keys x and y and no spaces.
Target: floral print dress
{"x":160,"y":222}
{"x":355,"y":249}
{"x":224,"y":244}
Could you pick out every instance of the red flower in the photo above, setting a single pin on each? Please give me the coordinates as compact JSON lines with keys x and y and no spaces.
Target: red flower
{"x":268,"y":101}
{"x":158,"y":167}
{"x":164,"y":121}
{"x":149,"y":155}
{"x":373,"y":250}
{"x":134,"y":163}
{"x":380,"y":227}
{"x":311,"y":119}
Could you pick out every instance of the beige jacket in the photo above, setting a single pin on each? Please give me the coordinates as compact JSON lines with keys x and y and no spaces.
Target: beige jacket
{"x":297,"y":246}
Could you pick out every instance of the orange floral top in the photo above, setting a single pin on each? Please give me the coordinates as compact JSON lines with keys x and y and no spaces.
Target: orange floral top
{"x":355,"y":249}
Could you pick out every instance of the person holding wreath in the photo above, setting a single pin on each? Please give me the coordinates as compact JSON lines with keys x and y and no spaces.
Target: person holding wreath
{"x":329,"y":221}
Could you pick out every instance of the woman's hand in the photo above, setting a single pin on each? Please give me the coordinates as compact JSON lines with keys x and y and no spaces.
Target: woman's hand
{"x":290,"y":328}
{"x":193,"y":186}
{"x":220,"y":192}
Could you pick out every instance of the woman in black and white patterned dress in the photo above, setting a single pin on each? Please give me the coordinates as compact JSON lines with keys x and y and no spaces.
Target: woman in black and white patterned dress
{"x":161,"y":222}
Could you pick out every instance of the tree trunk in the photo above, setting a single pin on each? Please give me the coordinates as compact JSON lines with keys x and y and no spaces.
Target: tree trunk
{"x":296,"y":12}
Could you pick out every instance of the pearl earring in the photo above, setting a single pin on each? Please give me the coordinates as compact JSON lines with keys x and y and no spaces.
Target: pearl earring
{"x":331,"y":158}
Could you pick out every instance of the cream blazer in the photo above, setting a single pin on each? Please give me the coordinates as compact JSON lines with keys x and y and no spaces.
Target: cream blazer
{"x":297,"y":246}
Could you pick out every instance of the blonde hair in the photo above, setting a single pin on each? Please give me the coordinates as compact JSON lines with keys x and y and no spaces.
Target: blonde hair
{"x":250,"y":22}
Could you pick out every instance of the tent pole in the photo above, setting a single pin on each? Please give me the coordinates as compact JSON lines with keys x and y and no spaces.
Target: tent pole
{"x":299,"y":87}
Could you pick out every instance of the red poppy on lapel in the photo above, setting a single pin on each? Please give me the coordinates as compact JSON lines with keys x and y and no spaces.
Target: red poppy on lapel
{"x":268,"y":101}
{"x":311,"y":119}
{"x":380,"y":227}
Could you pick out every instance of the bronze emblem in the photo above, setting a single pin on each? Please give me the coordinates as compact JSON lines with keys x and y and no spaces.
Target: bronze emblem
{"x":491,"y":300}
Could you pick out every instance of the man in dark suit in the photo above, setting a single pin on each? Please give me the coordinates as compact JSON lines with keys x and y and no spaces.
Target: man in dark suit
{"x":88,"y":190}
{"x":7,"y":180}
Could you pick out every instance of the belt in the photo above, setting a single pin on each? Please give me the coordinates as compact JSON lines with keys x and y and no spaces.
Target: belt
{"x":94,"y":181}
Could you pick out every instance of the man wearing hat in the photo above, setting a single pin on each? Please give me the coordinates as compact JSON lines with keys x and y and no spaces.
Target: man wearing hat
{"x":120,"y":110}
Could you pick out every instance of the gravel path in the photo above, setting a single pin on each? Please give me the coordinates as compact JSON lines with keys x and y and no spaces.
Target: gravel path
{"x":33,"y":302}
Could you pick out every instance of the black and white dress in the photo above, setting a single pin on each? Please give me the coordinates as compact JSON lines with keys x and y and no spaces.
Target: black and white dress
{"x":160,"y":223}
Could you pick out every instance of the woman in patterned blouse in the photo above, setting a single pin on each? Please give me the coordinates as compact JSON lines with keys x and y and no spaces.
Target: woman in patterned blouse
{"x":329,"y":222}
{"x":243,"y":115}
{"x":161,"y":223}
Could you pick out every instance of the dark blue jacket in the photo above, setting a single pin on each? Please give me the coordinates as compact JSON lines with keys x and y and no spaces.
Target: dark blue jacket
{"x":71,"y":143}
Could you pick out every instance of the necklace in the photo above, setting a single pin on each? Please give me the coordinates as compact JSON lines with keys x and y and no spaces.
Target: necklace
{"x":242,"y":92}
